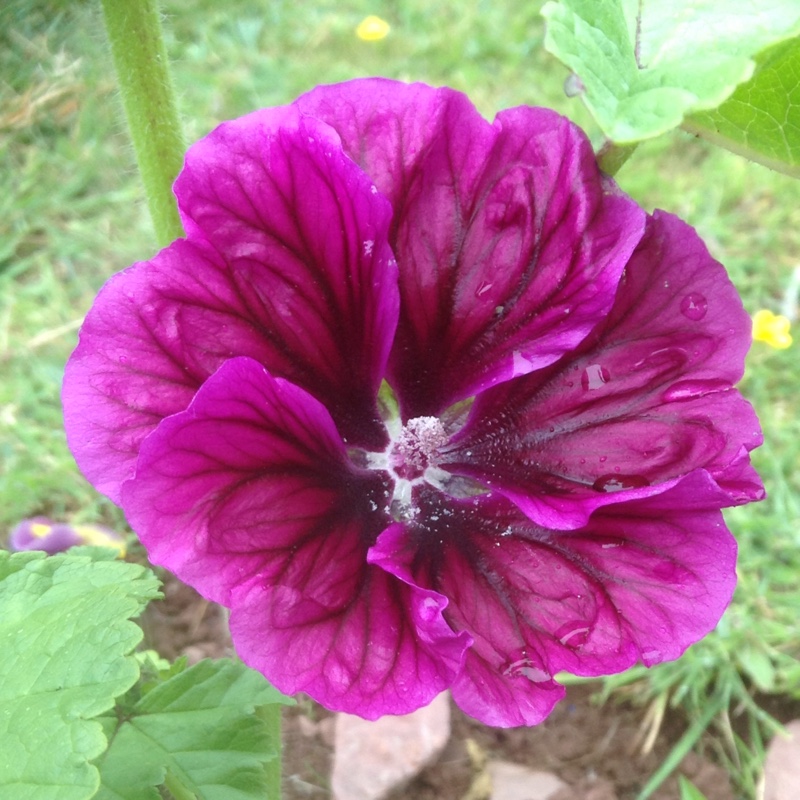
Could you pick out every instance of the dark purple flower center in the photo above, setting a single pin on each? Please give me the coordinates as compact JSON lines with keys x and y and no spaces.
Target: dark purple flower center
{"x":410,"y":460}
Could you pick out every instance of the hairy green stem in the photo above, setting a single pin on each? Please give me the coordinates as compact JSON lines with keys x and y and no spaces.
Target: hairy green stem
{"x":140,"y":60}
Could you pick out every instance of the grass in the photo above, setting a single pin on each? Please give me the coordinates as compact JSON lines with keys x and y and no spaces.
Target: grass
{"x":71,"y":214}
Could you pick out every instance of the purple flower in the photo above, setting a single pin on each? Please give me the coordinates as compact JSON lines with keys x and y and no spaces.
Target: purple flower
{"x":540,"y":487}
{"x":41,"y":533}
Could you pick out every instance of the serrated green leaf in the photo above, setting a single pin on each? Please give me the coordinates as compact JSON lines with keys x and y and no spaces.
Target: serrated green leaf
{"x":65,"y":640}
{"x":761,"y":119}
{"x":646,"y":64}
{"x":200,"y":727}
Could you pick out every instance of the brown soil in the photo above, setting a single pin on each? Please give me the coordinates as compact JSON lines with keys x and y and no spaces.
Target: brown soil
{"x":594,"y":749}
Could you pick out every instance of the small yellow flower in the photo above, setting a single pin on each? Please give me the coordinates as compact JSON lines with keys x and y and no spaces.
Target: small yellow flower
{"x":372,"y":29}
{"x":772,"y":329}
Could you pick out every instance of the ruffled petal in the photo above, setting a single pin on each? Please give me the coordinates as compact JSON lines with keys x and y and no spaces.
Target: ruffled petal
{"x":287,"y":262}
{"x":646,"y":399}
{"x":510,"y":241}
{"x":248,"y":496}
{"x":641,"y":581}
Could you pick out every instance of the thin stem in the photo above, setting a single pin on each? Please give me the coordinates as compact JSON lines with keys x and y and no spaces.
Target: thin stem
{"x":612,"y":156}
{"x":140,"y":60}
{"x":177,"y":789}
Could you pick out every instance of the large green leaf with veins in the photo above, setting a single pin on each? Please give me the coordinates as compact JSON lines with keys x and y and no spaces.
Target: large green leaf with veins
{"x":761,"y":119}
{"x":643,"y":65}
{"x":198,"y":732}
{"x":65,"y":640}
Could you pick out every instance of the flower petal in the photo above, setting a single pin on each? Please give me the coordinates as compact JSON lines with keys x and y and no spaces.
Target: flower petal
{"x":645,"y":399}
{"x":510,"y":241}
{"x":249,"y":497}
{"x":287,"y":262}
{"x":642,"y":580}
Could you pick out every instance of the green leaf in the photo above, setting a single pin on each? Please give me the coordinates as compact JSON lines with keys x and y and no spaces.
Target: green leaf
{"x":65,"y":637}
{"x":645,"y":64}
{"x":761,"y":119}
{"x":198,"y":729}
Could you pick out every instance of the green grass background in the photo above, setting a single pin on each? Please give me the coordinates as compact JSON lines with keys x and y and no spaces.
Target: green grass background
{"x":72,"y":213}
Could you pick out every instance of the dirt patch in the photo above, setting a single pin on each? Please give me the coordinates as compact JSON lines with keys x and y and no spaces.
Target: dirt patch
{"x":594,"y":749}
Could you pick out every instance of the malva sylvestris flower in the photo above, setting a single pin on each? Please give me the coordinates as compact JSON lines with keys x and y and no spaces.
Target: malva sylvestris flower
{"x":426,"y":401}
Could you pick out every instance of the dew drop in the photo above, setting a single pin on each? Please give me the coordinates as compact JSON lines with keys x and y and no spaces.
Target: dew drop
{"x":123,"y":360}
{"x":617,"y":483}
{"x":663,"y":360}
{"x":685,"y":390}
{"x":694,"y":306}
{"x":429,"y":609}
{"x":594,"y":376}
{"x":651,"y":656}
{"x":573,"y":634}
{"x":603,"y":459}
{"x":483,"y":287}
{"x":525,"y":668}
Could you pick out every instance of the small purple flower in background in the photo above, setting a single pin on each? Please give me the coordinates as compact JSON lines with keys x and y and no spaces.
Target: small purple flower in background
{"x":426,"y":401}
{"x":40,"y":533}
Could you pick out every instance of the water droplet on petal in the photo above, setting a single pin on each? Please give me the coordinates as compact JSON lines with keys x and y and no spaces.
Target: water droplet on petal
{"x":429,"y":609}
{"x":664,"y":360}
{"x":573,"y":634}
{"x":594,"y":376}
{"x":483,"y":287}
{"x":525,"y":668}
{"x":685,"y":390}
{"x":617,"y":483}
{"x":694,"y":306}
{"x":521,"y":364}
{"x":651,"y":656}
{"x":123,"y":360}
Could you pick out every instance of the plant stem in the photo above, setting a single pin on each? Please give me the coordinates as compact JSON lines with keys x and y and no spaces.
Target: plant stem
{"x":612,"y":156}
{"x":140,"y":60}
